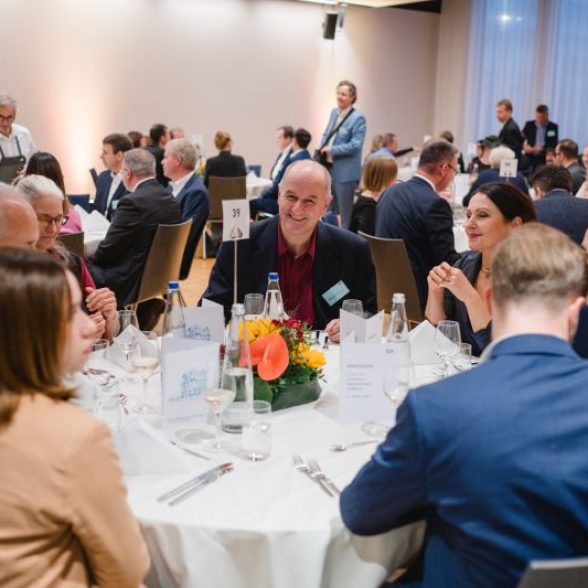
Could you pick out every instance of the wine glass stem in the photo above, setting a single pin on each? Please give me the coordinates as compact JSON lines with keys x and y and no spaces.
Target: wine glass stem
{"x":446,"y":367}
{"x":145,"y":403}
{"x":217,"y":423}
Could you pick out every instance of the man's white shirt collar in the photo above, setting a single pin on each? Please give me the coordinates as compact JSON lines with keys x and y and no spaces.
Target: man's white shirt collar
{"x":178,"y":185}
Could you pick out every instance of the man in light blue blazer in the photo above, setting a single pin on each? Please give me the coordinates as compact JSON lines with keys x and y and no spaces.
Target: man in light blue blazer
{"x":342,"y":145}
{"x":494,"y":459}
{"x":189,"y":191}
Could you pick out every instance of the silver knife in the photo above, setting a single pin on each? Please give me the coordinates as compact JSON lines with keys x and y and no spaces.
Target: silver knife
{"x":211,"y":477}
{"x":194,"y":482}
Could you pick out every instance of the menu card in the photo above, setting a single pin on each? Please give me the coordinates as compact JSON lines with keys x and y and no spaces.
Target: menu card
{"x":364,"y":330}
{"x":365,"y":367}
{"x":188,"y":369}
{"x":205,"y":323}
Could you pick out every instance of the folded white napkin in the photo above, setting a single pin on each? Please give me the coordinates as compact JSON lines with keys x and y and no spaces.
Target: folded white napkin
{"x":143,"y":449}
{"x":81,"y":211}
{"x":421,"y":344}
{"x":95,"y":223}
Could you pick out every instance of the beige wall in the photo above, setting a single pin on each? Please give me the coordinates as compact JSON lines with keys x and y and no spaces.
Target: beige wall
{"x":83,"y":68}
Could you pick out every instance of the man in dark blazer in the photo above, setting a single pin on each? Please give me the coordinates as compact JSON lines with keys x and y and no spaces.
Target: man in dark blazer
{"x":190,"y":193}
{"x":510,"y":134}
{"x":269,"y":199}
{"x":119,"y":260}
{"x":319,"y":265}
{"x":159,"y":135}
{"x":494,"y":459}
{"x":540,"y":134}
{"x":284,"y":142}
{"x":566,"y":154}
{"x":413,"y":211}
{"x":556,"y":206}
{"x":109,"y":185}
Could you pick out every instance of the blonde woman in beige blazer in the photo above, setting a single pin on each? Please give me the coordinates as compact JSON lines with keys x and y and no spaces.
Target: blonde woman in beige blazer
{"x":64,"y":518}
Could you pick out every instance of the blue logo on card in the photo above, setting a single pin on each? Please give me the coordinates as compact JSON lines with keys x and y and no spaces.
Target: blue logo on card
{"x":192,"y":387}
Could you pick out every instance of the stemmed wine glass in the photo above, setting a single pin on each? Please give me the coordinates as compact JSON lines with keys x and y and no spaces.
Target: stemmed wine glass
{"x":145,"y":360}
{"x":126,"y":338}
{"x":446,"y":342}
{"x":218,"y":399}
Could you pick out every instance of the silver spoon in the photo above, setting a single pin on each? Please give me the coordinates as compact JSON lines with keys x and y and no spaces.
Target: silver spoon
{"x":341,"y":447}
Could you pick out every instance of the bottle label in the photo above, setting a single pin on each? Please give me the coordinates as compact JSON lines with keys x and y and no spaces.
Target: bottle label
{"x":336,"y":293}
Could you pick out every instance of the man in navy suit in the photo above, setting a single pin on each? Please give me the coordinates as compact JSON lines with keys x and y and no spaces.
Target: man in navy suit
{"x":269,"y":199}
{"x":556,"y":206}
{"x":284,"y":142}
{"x":190,"y":193}
{"x":566,"y":154}
{"x":342,"y":144}
{"x":494,"y":459}
{"x":540,"y":134}
{"x":413,"y":211}
{"x":109,"y":185}
{"x":319,"y":265}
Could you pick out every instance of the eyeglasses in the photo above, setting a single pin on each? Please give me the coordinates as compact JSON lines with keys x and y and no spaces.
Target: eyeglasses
{"x":7,"y":118}
{"x":45,"y":220}
{"x":455,"y":170}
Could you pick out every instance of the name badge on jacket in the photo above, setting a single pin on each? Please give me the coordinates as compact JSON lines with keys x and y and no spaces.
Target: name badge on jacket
{"x":336,"y":293}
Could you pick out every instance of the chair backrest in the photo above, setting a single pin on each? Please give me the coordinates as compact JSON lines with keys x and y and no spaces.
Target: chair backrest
{"x":220,"y":189}
{"x":563,"y":573}
{"x":94,"y":175}
{"x":394,"y":274}
{"x":82,"y":199}
{"x":164,"y":259}
{"x":73,"y":242}
{"x":255,"y":168}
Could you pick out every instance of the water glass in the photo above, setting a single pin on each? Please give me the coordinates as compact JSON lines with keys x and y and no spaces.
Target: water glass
{"x":97,"y":364}
{"x":462,"y":360}
{"x":107,"y":408}
{"x":446,"y":342}
{"x":254,"y":304}
{"x":353,"y":306}
{"x":257,"y":430}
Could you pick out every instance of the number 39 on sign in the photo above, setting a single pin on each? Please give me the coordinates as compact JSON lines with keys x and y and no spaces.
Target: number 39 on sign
{"x":235,"y":220}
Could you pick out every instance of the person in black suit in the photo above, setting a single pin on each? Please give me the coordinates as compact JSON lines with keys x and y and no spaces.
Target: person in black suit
{"x":414,"y":211}
{"x":190,"y":193}
{"x":566,"y":154}
{"x":225,"y":164}
{"x":284,"y":141}
{"x":319,"y":265}
{"x":510,"y":134}
{"x":109,"y":186}
{"x":119,"y":260}
{"x":159,"y":135}
{"x":556,"y":206}
{"x":539,"y":134}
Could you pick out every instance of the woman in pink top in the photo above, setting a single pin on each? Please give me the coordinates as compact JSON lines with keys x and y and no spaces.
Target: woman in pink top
{"x":64,"y":517}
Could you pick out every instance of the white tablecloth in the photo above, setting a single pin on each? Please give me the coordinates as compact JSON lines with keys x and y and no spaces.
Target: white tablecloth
{"x":266,"y":525}
{"x":255,"y":185}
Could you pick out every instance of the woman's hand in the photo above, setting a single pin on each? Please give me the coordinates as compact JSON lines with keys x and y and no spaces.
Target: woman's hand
{"x":102,"y":301}
{"x":333,"y":330}
{"x":445,"y":276}
{"x":100,"y":325}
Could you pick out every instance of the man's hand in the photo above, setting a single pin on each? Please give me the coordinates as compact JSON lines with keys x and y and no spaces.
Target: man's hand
{"x":333,"y":330}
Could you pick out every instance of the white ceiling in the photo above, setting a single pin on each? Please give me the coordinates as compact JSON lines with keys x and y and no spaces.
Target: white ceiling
{"x":369,"y":3}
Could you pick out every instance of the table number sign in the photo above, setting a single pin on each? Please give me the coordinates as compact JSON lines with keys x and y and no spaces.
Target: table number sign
{"x":188,"y":369}
{"x":235,"y":220}
{"x":508,"y":168}
{"x":365,"y":367}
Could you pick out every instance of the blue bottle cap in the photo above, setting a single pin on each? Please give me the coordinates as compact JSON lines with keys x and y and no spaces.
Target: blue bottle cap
{"x":173,"y":286}
{"x":273,"y":276}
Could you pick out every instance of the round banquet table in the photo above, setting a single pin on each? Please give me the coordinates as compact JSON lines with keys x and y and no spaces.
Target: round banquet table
{"x":265,"y":524}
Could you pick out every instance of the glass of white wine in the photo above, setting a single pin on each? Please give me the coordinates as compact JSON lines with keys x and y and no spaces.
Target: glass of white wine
{"x":218,"y":399}
{"x":145,"y":360}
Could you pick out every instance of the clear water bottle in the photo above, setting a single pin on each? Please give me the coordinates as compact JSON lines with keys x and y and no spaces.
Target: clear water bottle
{"x":274,"y":307}
{"x":398,"y":384}
{"x":237,"y":373}
{"x":174,"y":323}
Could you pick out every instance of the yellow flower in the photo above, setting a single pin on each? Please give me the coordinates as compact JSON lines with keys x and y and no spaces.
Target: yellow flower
{"x":309,"y":357}
{"x":260,"y":327}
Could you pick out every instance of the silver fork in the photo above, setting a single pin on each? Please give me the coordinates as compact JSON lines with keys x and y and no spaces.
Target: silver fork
{"x":302,"y":467}
{"x":316,"y":471}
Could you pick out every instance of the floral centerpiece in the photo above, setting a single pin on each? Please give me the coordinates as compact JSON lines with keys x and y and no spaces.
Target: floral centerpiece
{"x":286,"y":368}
